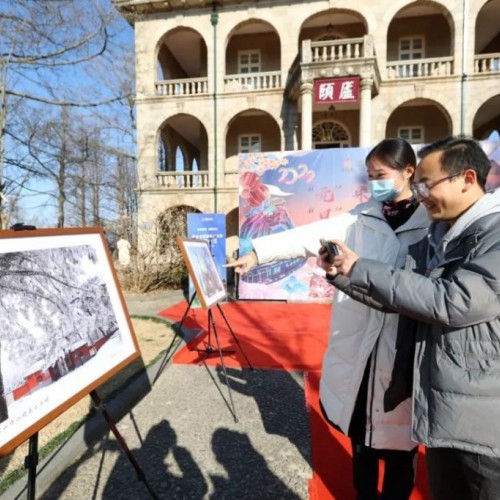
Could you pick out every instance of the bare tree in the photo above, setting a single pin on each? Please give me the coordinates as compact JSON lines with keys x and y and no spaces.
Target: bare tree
{"x":42,"y":45}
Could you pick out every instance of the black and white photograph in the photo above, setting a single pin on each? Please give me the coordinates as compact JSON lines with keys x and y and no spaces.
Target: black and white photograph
{"x":63,"y":328}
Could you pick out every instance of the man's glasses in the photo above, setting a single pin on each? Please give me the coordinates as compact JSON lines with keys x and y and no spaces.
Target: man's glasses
{"x":422,"y":189}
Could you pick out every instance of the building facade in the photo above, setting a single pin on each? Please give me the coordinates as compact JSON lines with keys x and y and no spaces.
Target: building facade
{"x":216,"y":78}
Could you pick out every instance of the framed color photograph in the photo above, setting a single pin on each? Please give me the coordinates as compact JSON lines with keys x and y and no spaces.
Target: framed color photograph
{"x":203,"y":271}
{"x":64,"y":329}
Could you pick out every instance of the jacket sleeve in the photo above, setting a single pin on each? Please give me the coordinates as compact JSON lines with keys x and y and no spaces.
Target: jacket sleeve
{"x":343,"y":283}
{"x":301,"y":241}
{"x":469,"y":296}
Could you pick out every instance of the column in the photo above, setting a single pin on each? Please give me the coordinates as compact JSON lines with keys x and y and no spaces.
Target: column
{"x":365,"y":115}
{"x":306,"y":92}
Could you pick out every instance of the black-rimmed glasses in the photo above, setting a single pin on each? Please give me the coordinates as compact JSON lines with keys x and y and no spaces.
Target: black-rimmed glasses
{"x":422,"y":189}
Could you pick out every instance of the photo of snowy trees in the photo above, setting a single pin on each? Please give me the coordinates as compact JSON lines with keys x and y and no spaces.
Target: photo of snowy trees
{"x":202,"y":270}
{"x":62,"y":327}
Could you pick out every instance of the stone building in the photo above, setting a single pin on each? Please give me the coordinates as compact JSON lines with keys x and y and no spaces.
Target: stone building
{"x":215,"y":78}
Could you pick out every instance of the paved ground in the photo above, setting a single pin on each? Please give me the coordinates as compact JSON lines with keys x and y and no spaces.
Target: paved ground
{"x":179,"y":424}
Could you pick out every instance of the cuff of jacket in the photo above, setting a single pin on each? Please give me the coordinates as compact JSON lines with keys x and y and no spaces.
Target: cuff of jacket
{"x":362,"y":271}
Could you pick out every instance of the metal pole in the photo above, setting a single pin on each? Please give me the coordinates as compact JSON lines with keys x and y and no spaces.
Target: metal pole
{"x":464,"y":66}
{"x":214,"y":19}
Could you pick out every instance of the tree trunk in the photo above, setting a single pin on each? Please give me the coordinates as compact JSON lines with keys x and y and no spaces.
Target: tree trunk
{"x":4,"y":412}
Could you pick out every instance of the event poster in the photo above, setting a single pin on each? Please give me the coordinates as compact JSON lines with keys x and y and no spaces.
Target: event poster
{"x":212,"y":229}
{"x":283,"y":190}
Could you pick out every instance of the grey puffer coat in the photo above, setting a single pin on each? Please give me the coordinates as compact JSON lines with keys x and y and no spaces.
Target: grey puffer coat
{"x":456,"y":391}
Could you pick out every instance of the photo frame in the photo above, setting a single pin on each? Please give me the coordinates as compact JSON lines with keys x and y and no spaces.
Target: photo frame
{"x":203,"y":271}
{"x":64,"y":325}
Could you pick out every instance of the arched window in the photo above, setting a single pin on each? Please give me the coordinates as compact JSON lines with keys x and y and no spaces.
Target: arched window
{"x":179,"y":160}
{"x":162,"y":156}
{"x":172,"y":223}
{"x":195,"y":168}
{"x":330,"y":134}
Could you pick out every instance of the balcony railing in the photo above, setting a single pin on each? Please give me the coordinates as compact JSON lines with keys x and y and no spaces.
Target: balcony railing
{"x":244,"y":82}
{"x":487,"y":63}
{"x":337,"y":50}
{"x":182,"y":180}
{"x":194,"y":180}
{"x":186,"y":86}
{"x":420,"y":68}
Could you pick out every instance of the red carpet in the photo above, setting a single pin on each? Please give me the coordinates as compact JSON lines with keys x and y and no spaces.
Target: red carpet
{"x":278,"y":335}
{"x":273,"y":335}
{"x":331,"y":455}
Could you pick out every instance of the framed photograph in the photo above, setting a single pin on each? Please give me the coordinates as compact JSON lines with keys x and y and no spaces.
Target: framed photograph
{"x":203,"y":271}
{"x":64,"y":327}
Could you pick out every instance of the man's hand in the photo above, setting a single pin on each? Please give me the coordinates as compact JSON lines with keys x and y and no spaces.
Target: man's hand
{"x":245,"y":263}
{"x":324,"y":262}
{"x":343,"y":263}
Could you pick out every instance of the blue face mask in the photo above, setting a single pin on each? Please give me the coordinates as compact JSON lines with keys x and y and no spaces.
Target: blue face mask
{"x":384,"y":190}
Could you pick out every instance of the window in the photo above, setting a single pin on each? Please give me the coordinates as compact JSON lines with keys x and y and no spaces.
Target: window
{"x":414,"y":135}
{"x":329,"y":134}
{"x":409,"y":50}
{"x":249,"y":144}
{"x":249,"y":61}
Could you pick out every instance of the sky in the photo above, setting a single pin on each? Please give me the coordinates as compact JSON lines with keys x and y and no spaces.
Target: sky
{"x":70,"y":83}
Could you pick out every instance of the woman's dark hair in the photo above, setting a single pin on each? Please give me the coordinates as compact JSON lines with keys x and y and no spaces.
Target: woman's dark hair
{"x":395,"y":153}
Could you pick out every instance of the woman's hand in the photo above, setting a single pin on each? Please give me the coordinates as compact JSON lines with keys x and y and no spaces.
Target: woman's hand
{"x":245,"y":263}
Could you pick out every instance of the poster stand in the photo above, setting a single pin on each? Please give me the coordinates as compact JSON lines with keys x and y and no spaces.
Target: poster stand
{"x":210,"y":349}
{"x":31,"y":459}
{"x":30,"y":463}
{"x":111,"y":424}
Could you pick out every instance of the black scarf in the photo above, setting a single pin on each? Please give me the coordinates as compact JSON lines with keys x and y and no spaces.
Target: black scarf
{"x":398,"y":212}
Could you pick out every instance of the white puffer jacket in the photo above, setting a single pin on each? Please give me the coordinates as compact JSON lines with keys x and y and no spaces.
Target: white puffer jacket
{"x":357,"y":331}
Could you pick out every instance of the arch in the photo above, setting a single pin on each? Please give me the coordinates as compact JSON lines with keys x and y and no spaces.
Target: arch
{"x":180,"y":159}
{"x":188,"y":133}
{"x":452,"y":108}
{"x":163,"y":162}
{"x":181,"y":53}
{"x":486,"y":33}
{"x":232,"y":222}
{"x":232,"y":240}
{"x":330,"y":133}
{"x":261,"y":123}
{"x":425,"y":113}
{"x":487,"y":118}
{"x":247,"y":40}
{"x":400,"y":25}
{"x":164,"y":158}
{"x":338,"y":23}
{"x":172,"y":223}
{"x":395,"y":8}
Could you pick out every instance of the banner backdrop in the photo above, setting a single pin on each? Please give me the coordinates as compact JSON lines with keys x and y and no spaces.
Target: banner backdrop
{"x":282,"y":190}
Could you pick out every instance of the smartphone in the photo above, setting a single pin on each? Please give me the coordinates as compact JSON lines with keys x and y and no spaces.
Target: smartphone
{"x":331,"y":248}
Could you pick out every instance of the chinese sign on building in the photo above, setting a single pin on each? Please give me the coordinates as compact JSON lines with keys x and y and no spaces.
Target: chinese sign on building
{"x":336,"y":90}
